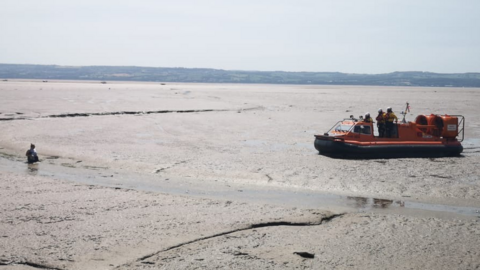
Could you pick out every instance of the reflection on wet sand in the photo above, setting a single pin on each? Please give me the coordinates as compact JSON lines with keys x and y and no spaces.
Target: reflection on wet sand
{"x":90,"y":175}
{"x":32,"y":169}
{"x":360,"y":202}
{"x":364,"y":203}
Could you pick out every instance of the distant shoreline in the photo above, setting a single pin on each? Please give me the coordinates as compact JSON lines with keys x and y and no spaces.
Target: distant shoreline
{"x":203,"y":75}
{"x":112,"y":82}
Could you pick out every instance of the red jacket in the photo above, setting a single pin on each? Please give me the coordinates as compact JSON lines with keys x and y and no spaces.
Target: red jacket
{"x":381,"y":118}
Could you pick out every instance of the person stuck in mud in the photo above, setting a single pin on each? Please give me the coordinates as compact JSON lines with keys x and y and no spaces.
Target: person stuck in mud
{"x":31,"y":154}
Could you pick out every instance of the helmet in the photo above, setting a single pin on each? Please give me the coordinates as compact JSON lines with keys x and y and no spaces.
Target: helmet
{"x":380,"y":110}
{"x":389,"y":109}
{"x":367,"y":114}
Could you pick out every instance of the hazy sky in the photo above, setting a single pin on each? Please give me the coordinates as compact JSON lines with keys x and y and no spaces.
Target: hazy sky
{"x":355,"y":36}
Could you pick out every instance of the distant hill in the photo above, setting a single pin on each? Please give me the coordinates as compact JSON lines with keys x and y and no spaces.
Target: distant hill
{"x":204,"y":75}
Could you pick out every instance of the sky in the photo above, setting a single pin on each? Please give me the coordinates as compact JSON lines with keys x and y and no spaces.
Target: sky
{"x":351,"y":36}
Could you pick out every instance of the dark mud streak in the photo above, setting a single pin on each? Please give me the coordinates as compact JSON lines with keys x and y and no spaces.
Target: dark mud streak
{"x":441,"y":176}
{"x":253,"y":226}
{"x":282,"y":223}
{"x":41,"y":266}
{"x":166,"y":168}
{"x":32,"y":264}
{"x":123,"y":112}
{"x":330,"y":218}
{"x":69,"y":115}
{"x":9,"y":156}
{"x":306,"y":255}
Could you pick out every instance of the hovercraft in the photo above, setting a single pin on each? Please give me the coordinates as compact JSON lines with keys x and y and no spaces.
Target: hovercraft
{"x":429,"y":136}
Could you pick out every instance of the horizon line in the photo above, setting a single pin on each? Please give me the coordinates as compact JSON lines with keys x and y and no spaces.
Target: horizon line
{"x":241,"y":70}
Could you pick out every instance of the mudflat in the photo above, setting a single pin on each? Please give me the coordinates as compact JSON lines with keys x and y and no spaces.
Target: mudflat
{"x":213,"y":176}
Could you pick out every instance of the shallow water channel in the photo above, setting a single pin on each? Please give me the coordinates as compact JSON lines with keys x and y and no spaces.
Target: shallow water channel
{"x":290,"y":197}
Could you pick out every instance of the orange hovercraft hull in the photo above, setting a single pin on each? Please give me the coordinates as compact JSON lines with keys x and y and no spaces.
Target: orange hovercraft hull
{"x":428,"y":136}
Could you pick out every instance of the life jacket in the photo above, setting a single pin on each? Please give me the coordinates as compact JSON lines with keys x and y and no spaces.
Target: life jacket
{"x":380,"y":118}
{"x":390,"y":117}
{"x":369,"y":120}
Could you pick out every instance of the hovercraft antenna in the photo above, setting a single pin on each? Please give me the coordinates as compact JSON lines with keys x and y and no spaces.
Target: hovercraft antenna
{"x":407,"y":110}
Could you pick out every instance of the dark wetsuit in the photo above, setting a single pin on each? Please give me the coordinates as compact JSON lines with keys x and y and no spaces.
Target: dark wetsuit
{"x":381,"y":124}
{"x":31,"y":156}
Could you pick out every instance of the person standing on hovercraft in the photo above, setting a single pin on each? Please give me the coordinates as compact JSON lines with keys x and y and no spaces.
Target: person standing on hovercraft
{"x":381,"y":123}
{"x":367,"y":118}
{"x":389,"y":118}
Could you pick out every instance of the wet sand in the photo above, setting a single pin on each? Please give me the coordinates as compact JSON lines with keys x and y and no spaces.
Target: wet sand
{"x":183,"y":176}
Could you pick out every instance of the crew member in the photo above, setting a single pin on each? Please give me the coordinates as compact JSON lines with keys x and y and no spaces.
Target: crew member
{"x":389,"y":118}
{"x":381,"y":123}
{"x":31,"y":154}
{"x":367,"y":118}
